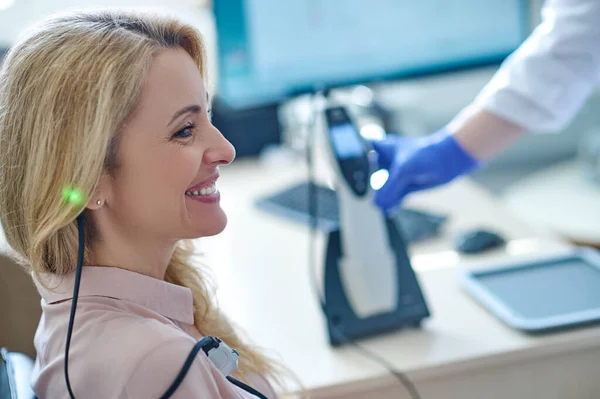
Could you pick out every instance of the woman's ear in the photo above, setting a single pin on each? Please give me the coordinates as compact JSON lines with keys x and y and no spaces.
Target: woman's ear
{"x":101,"y":193}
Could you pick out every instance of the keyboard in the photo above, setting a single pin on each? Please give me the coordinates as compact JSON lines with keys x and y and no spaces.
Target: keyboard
{"x":292,"y":203}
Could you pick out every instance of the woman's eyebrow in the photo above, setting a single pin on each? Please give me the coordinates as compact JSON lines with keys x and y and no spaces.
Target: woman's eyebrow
{"x":194,"y":108}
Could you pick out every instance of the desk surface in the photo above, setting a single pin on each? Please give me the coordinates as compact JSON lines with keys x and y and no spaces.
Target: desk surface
{"x":261,"y":264}
{"x":558,"y":198}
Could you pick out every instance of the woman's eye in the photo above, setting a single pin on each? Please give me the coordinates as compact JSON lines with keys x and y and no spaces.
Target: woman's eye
{"x":184,"y":133}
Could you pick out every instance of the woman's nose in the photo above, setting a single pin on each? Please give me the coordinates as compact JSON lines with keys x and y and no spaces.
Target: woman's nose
{"x":221,"y":151}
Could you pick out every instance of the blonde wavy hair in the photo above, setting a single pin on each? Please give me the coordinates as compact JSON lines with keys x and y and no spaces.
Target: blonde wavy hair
{"x":66,"y":89}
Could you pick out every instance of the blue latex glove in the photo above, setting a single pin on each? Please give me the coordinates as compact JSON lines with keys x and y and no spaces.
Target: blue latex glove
{"x":419,"y":163}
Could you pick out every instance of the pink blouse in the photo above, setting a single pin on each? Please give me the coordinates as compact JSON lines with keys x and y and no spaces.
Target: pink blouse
{"x":131,"y":336}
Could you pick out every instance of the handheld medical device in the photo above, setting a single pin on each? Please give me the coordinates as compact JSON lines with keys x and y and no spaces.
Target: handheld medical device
{"x":219,"y":353}
{"x":369,"y":284}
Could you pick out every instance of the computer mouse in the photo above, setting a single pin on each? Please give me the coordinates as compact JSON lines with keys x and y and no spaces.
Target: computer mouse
{"x":475,"y":241}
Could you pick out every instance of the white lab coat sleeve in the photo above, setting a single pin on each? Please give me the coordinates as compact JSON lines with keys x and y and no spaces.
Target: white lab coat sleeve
{"x":544,"y":83}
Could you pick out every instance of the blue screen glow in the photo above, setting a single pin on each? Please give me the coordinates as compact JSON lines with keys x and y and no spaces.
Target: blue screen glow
{"x":271,"y":49}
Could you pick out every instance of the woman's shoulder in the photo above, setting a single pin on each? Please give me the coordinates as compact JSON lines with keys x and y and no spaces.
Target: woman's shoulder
{"x":103,"y":328}
{"x":123,"y":355}
{"x":127,"y":340}
{"x":157,"y":369}
{"x":106,"y":347}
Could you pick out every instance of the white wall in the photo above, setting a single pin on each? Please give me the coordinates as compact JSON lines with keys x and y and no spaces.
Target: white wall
{"x":25,"y":12}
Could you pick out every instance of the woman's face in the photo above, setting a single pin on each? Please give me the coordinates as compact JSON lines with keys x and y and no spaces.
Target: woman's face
{"x":168,"y":157}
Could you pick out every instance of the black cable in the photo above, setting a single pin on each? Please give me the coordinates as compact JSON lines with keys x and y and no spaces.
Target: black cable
{"x":245,"y":387}
{"x":312,"y":209}
{"x":188,"y":363}
{"x":312,"y":201}
{"x":80,"y":223}
{"x":206,"y":341}
{"x":186,"y":366}
{"x":410,"y":387}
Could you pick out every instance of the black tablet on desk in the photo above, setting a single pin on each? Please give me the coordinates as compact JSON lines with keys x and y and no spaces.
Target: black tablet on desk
{"x":542,"y":294}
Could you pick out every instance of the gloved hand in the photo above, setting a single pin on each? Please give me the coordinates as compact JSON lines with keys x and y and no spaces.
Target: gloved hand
{"x":419,"y":163}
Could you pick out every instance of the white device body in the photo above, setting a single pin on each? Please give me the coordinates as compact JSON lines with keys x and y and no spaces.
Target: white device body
{"x":368,"y":265}
{"x":224,"y":358}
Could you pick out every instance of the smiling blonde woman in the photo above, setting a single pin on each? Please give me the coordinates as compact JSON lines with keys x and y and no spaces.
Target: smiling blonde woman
{"x":110,"y":109}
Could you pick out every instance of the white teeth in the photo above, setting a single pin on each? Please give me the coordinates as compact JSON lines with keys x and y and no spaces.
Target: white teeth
{"x":203,"y":191}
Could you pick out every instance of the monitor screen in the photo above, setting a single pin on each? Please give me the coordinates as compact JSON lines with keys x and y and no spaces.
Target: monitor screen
{"x":272,"y":49}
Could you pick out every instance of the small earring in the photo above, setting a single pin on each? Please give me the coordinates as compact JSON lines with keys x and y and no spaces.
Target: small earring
{"x":99,"y":202}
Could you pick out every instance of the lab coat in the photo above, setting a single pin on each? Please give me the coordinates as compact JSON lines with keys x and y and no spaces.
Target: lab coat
{"x":545,"y":82}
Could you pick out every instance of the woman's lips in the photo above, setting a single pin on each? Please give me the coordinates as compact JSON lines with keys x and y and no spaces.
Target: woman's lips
{"x":210,"y":180}
{"x":205,"y":191}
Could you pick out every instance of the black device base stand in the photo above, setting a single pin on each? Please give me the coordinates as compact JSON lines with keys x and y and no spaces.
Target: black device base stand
{"x":343,"y":323}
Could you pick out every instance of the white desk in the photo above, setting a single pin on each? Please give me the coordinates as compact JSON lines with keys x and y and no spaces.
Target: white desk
{"x":260,"y":262}
{"x":560,"y":199}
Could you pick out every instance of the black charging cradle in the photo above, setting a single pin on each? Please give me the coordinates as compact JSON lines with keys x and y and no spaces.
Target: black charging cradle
{"x":343,"y":323}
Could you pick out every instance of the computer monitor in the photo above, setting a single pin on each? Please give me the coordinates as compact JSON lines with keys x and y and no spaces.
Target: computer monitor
{"x":270,"y":50}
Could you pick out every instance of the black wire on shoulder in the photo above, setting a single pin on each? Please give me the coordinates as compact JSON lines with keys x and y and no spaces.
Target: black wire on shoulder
{"x":245,"y":387}
{"x":80,"y":252}
{"x":186,"y":366}
{"x":188,"y":363}
{"x":312,"y":209}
